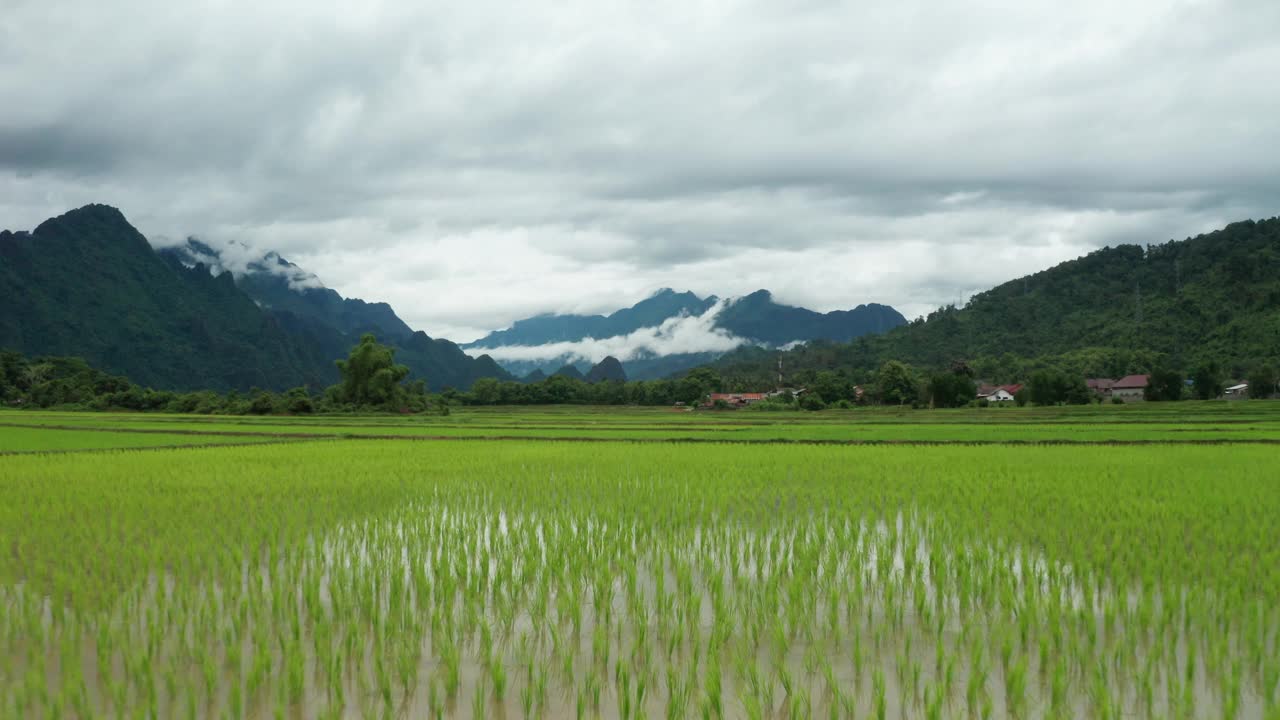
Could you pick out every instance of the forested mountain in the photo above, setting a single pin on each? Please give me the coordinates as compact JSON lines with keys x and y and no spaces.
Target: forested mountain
{"x":88,"y":284}
{"x":607,"y":369}
{"x":759,"y":318}
{"x":277,"y":284}
{"x":646,"y":331}
{"x":569,"y":371}
{"x":1212,"y":298}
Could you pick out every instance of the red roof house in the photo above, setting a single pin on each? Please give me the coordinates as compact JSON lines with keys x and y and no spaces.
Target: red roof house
{"x":1101,"y":386}
{"x":1131,"y":387}
{"x":735,"y":399}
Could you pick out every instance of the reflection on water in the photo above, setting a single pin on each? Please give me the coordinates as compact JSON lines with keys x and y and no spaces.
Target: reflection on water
{"x":468,"y":611}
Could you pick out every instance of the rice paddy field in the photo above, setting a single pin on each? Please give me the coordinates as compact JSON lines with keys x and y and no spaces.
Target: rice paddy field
{"x":1109,"y":562}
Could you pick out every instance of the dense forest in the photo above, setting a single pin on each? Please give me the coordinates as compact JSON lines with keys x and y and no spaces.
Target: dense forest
{"x":370,"y":379}
{"x":88,"y":284}
{"x":1213,"y":299}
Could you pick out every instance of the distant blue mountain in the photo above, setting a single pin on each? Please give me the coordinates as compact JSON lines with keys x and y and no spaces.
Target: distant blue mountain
{"x":543,"y":329}
{"x":755,"y":319}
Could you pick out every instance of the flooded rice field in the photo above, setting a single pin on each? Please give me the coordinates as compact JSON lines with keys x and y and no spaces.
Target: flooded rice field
{"x":368,"y":579}
{"x":434,"y":611}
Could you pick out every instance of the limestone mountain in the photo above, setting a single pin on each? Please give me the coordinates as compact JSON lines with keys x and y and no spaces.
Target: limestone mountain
{"x":277,"y":284}
{"x":88,"y":284}
{"x":607,"y":369}
{"x":543,"y":329}
{"x":670,"y":331}
{"x":1214,"y":298}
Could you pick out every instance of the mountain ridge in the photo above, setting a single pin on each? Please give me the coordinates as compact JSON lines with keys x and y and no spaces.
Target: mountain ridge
{"x":552,"y":327}
{"x":1115,"y":311}
{"x":87,"y":284}
{"x":640,"y":331}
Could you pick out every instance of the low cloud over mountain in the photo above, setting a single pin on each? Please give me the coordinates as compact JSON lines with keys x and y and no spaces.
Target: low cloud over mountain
{"x":674,"y":336}
{"x":671,"y":331}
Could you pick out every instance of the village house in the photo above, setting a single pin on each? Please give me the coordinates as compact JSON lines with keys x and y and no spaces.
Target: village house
{"x":743,"y":399}
{"x":1100,"y":387}
{"x":1131,"y":388}
{"x":998,"y":393}
{"x":734,"y":400}
{"x":1236,"y":392}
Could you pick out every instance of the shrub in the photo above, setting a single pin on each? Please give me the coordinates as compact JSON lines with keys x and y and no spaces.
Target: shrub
{"x":301,"y":406}
{"x":810,"y":401}
{"x":263,"y":404}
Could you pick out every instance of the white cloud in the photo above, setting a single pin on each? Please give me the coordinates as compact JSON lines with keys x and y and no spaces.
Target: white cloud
{"x":677,"y":335}
{"x":239,"y":259}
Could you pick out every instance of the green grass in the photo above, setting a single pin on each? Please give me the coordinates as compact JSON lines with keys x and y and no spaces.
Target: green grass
{"x":1151,"y":422}
{"x":541,"y":578}
{"x":18,"y":439}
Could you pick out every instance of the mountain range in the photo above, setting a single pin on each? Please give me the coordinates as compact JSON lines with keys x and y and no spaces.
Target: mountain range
{"x":88,"y":284}
{"x":671,"y":331}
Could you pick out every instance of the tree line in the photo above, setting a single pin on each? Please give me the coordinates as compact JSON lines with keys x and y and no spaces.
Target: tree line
{"x":372,"y":381}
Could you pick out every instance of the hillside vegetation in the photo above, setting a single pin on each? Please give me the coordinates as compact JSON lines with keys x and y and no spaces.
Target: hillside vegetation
{"x":1214,"y":298}
{"x":88,"y":284}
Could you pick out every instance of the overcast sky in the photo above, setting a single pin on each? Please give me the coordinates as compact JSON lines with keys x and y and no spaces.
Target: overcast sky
{"x":477,"y":162}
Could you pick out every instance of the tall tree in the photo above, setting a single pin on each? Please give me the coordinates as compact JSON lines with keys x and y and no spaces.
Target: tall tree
{"x":370,"y":375}
{"x":897,"y":384}
{"x":1164,"y":384}
{"x":951,"y":389}
{"x":1262,"y":381}
{"x":1207,"y":381}
{"x":1050,"y":387}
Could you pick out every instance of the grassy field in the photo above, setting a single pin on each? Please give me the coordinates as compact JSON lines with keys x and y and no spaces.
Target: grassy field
{"x":1171,"y":422}
{"x":551,"y":566}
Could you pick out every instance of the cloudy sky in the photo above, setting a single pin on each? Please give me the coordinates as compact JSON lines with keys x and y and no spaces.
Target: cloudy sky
{"x":474,"y":163}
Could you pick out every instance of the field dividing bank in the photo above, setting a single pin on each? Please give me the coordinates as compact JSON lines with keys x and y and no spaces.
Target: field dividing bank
{"x":796,"y":432}
{"x":1188,"y":413}
{"x":367,"y":577}
{"x":36,"y":440}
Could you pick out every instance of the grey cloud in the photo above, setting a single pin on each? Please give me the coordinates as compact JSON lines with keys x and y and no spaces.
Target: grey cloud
{"x":477,"y":163}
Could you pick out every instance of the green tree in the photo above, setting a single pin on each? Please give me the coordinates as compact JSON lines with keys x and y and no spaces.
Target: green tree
{"x":264,"y":403}
{"x":831,"y":387}
{"x":1262,"y":381}
{"x":298,"y":401}
{"x":1164,"y":385}
{"x":1051,"y":387}
{"x":811,"y":401}
{"x":486,"y":391}
{"x":896,"y":382}
{"x":370,"y":375}
{"x":1206,"y":381}
{"x":695,"y":386}
{"x":951,"y":389}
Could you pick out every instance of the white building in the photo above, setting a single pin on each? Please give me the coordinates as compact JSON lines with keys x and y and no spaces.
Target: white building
{"x":1236,"y":391}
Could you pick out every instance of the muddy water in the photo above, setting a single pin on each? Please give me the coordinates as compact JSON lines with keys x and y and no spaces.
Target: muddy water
{"x":428,"y":612}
